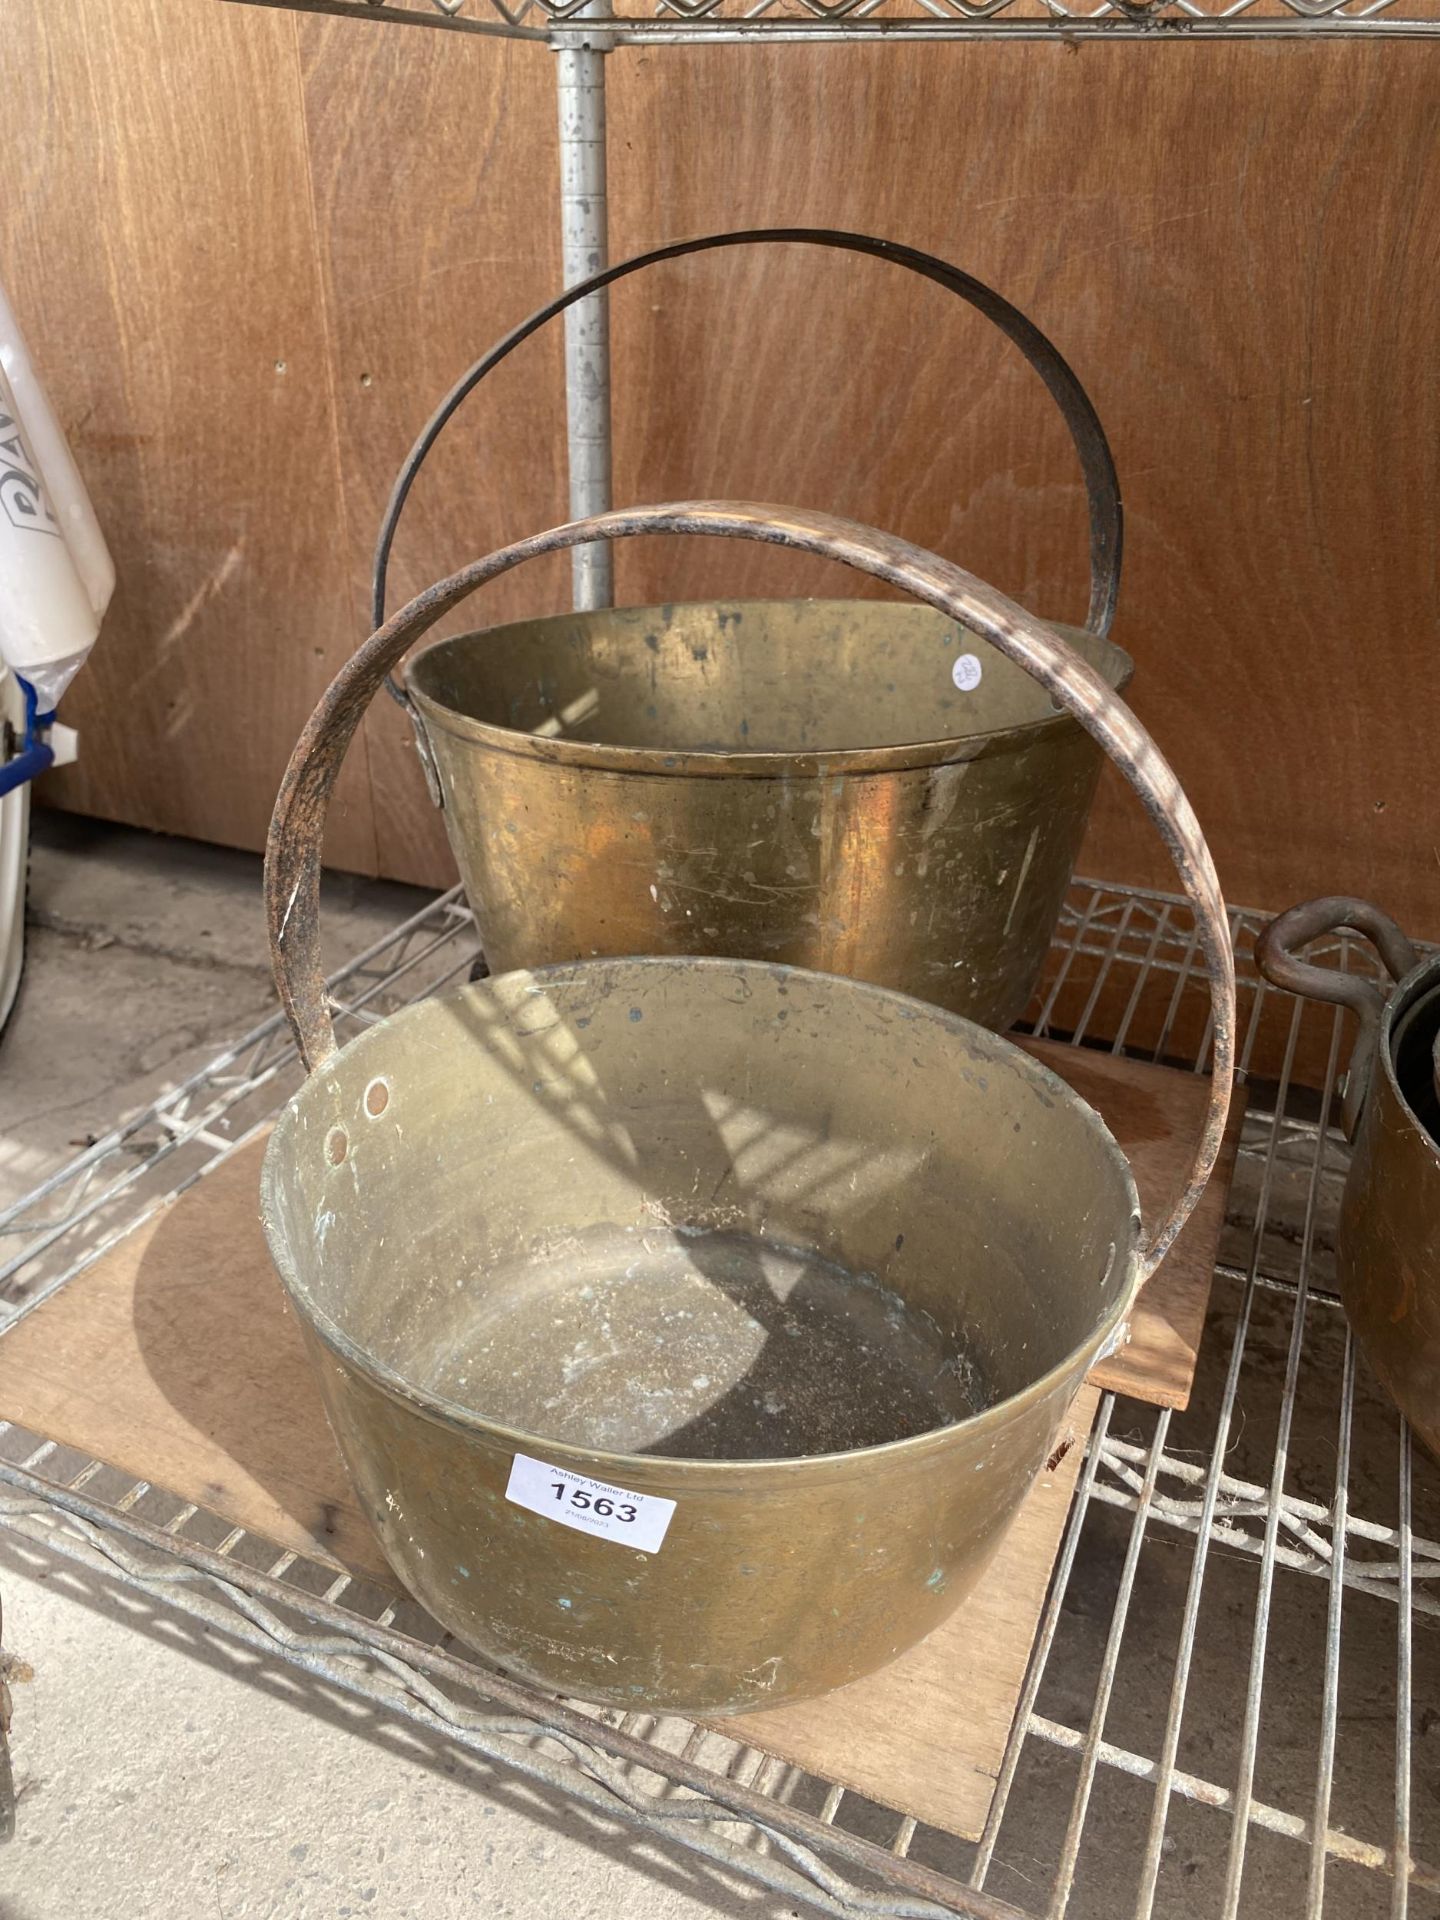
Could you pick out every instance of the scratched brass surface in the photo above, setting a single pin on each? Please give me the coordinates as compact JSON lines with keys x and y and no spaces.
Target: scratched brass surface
{"x":800,"y":781}
{"x":860,"y":1141}
{"x":820,"y":1264}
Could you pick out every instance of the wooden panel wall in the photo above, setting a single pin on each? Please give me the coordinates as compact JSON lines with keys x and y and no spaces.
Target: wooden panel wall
{"x":1235,"y":246}
{"x":159,"y":247}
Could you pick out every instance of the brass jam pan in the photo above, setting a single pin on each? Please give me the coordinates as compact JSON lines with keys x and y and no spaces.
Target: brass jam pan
{"x":861,"y":786}
{"x":693,"y":1328}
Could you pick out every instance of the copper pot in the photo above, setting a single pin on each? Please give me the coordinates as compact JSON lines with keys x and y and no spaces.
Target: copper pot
{"x":1388,"y":1242}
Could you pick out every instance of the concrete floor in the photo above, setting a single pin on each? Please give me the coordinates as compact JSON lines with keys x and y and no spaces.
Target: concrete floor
{"x":162,"y":1771}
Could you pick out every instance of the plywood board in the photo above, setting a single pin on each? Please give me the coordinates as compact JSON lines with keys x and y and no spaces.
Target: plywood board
{"x":452,"y":164}
{"x":1238,"y":251}
{"x":158,"y":245}
{"x":927,"y":1734}
{"x":176,"y":1358}
{"x":1156,"y":1114}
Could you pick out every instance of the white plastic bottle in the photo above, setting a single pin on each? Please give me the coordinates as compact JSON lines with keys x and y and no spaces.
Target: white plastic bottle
{"x":56,"y":575}
{"x":56,"y":579}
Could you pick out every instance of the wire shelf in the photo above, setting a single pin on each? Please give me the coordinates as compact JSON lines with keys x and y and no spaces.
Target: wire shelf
{"x":674,"y":22}
{"x":1240,"y":1637}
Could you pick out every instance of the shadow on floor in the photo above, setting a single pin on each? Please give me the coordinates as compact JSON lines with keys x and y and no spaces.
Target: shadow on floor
{"x":678,"y":1871}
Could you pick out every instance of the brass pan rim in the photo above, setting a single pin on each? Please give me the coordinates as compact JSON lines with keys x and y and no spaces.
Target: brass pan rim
{"x":626,"y":1468}
{"x":1113,"y":661}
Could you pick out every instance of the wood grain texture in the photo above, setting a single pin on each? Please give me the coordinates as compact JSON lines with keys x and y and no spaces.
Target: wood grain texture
{"x":1156,"y":1114}
{"x":437,"y":209}
{"x":926,"y":1735}
{"x":176,"y":1358}
{"x":1237,"y":247}
{"x":159,"y":249}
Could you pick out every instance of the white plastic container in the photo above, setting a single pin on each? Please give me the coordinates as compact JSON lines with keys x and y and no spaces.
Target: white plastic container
{"x":56,"y":575}
{"x":56,"y":578}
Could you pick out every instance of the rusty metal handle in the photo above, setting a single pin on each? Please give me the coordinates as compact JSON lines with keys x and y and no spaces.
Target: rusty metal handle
{"x":1275,"y":956}
{"x":293,"y":851}
{"x":1101,"y":482}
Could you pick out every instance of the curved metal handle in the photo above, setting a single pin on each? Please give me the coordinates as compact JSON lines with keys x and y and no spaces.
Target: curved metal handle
{"x":1101,"y":482}
{"x":1275,"y":956}
{"x":293,"y":851}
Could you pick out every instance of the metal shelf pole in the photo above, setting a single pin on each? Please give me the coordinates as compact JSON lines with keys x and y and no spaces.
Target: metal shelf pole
{"x":580,"y":84}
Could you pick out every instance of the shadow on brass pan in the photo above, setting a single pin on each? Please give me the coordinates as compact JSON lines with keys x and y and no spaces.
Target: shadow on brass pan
{"x":864,"y":787}
{"x":1388,"y":1244}
{"x":803,"y":1272}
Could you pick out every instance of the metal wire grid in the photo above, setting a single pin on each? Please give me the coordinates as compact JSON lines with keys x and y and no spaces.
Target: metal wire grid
{"x":1288,"y":1463}
{"x":560,"y":22}
{"x":658,"y":22}
{"x":120,"y":1179}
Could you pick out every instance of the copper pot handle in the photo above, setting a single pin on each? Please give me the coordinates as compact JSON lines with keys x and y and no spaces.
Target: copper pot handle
{"x":293,"y":852}
{"x":1101,"y":482}
{"x":1275,"y":956}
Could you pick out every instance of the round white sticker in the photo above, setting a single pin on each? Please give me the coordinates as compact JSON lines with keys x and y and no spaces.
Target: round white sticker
{"x":966,"y":673}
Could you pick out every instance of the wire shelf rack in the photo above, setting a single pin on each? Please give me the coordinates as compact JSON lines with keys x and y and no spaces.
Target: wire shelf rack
{"x":1238,"y":1664}
{"x":677,"y":22}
